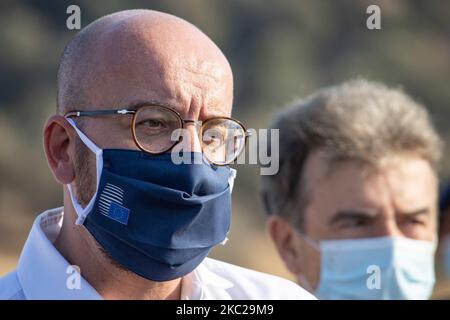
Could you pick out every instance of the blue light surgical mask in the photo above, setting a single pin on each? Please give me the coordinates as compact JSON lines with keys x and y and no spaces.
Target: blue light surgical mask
{"x":391,"y":268}
{"x":156,"y":218}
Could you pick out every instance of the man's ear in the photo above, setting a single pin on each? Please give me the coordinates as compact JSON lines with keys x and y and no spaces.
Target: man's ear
{"x":59,"y":142}
{"x":283,"y":235}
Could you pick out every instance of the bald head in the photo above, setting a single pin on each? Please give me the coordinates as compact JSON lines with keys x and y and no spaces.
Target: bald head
{"x":138,"y":56}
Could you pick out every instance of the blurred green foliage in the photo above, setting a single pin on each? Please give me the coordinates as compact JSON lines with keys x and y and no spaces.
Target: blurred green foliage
{"x":279,"y":50}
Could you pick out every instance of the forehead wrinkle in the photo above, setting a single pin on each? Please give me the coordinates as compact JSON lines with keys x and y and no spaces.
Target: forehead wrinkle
{"x":177,"y":57}
{"x":145,"y":52}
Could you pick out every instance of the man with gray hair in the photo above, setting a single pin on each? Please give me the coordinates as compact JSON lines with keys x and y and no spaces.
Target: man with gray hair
{"x":352,"y":210}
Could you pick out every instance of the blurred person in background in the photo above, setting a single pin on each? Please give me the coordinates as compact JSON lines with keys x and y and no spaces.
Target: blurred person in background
{"x":443,"y":256}
{"x":136,"y":225}
{"x":353,"y":208}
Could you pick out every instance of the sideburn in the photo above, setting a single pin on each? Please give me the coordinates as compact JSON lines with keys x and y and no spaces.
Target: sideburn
{"x":85,"y":173}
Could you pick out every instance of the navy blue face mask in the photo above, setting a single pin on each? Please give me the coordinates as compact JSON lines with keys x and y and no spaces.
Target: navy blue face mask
{"x":156,"y":218}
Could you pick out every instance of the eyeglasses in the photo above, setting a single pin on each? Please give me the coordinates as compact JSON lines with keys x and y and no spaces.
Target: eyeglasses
{"x":157,"y":129}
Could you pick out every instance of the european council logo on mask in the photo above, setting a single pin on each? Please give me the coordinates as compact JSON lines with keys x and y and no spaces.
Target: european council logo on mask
{"x":110,"y":204}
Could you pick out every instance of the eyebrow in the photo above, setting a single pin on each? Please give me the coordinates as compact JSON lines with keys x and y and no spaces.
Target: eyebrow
{"x":139,"y":103}
{"x":352,"y":214}
{"x":417,"y":212}
{"x":358,"y":214}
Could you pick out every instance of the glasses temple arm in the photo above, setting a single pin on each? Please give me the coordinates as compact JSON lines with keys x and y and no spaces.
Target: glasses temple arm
{"x":98,"y":113}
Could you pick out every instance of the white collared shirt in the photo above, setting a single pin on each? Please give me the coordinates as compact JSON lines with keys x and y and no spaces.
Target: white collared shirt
{"x":42,"y":273}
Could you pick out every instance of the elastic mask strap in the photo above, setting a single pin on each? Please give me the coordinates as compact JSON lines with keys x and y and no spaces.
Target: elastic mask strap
{"x":305,"y":283}
{"x":231,"y":179}
{"x":83,"y":212}
{"x":315,"y":245}
{"x":435,"y":242}
{"x":309,"y":240}
{"x":233,"y":173}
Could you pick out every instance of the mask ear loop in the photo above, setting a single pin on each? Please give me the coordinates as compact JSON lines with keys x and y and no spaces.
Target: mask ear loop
{"x":83,"y":212}
{"x":315,"y":246}
{"x":233,"y":174}
{"x":309,"y":240}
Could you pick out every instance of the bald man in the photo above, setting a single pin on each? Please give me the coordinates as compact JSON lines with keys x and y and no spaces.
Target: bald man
{"x":140,"y":142}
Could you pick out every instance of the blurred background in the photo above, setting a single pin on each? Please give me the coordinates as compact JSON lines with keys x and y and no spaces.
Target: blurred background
{"x":279,"y":50}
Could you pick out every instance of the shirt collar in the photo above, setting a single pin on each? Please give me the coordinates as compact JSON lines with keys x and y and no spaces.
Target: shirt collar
{"x":204,"y":284}
{"x":45,"y":274}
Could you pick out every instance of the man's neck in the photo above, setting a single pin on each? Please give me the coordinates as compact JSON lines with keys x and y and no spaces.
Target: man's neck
{"x":111,"y":282}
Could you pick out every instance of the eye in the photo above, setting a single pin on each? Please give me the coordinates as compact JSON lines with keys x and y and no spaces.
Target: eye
{"x":213,"y":136}
{"x":415,"y":221}
{"x":354,"y":222}
{"x":153,"y":127}
{"x":358,"y":222}
{"x":152,"y":123}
